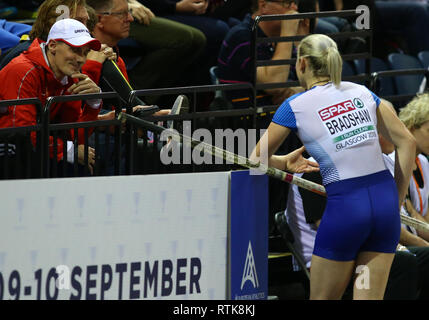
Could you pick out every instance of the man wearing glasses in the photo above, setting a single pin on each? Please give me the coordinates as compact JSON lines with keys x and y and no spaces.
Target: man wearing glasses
{"x":235,"y":63}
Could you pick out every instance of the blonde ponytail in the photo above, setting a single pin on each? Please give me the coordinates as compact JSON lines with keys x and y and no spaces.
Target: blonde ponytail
{"x":323,"y":56}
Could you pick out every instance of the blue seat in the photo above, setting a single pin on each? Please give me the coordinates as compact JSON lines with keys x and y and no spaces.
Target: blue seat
{"x":424,"y":58}
{"x":131,"y":61}
{"x":405,"y":84}
{"x":387,"y":87}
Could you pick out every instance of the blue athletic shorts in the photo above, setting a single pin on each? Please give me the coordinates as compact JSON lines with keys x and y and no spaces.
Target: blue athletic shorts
{"x":361,"y":214}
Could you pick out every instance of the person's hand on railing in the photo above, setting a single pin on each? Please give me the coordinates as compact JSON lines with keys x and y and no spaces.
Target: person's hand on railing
{"x":83,"y":84}
{"x":105,"y":53}
{"x":106,"y":116}
{"x":159,"y":113}
{"x":91,"y":157}
{"x":214,"y":4}
{"x":162,"y":112}
{"x":295,"y":162}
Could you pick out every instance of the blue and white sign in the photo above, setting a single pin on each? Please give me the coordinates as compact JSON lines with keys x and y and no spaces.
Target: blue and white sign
{"x":131,"y":237}
{"x":249,"y":236}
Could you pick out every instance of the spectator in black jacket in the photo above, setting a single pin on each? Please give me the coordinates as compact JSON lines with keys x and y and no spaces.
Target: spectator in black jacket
{"x":193,"y":13}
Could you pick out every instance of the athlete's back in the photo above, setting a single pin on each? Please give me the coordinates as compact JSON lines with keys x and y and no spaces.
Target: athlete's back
{"x":338,"y":126}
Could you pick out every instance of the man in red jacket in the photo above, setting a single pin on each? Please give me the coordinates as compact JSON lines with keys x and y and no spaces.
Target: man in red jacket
{"x":52,"y":68}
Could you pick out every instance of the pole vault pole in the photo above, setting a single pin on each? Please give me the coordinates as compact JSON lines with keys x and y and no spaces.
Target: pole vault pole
{"x":247,"y":163}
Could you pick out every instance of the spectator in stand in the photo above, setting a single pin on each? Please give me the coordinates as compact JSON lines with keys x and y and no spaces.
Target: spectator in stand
{"x":52,"y":68}
{"x":408,"y":277}
{"x":361,"y":224}
{"x":415,"y":116}
{"x":235,"y":63}
{"x":47,"y":15}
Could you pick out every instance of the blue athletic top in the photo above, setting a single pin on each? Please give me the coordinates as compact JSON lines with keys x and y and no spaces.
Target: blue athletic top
{"x":338,"y":126}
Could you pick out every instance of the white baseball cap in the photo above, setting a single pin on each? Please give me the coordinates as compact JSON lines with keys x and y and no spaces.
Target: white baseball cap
{"x":74,"y":33}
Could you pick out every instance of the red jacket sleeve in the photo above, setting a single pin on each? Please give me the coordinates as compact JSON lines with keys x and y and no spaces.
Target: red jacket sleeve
{"x":92,"y":69}
{"x":73,"y":112}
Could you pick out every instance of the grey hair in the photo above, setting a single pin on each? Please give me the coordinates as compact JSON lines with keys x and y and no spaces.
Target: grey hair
{"x":323,"y":56}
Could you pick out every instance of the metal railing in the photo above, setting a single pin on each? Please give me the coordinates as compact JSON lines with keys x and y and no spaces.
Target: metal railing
{"x":62,"y":130}
{"x":52,"y":138}
{"x":123,"y":145}
{"x":245,"y":118}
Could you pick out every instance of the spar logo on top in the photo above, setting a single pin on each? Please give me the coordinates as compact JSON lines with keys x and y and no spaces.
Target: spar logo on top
{"x":349,"y":123}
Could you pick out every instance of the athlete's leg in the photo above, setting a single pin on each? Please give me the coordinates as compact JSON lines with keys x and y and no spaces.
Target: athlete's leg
{"x":329,"y":278}
{"x":378,"y":271}
{"x":378,"y":251}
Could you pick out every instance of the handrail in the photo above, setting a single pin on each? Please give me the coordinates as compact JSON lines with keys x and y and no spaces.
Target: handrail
{"x":38,"y":127}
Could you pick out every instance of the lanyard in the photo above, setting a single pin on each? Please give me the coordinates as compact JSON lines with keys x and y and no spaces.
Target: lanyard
{"x":417,"y":185}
